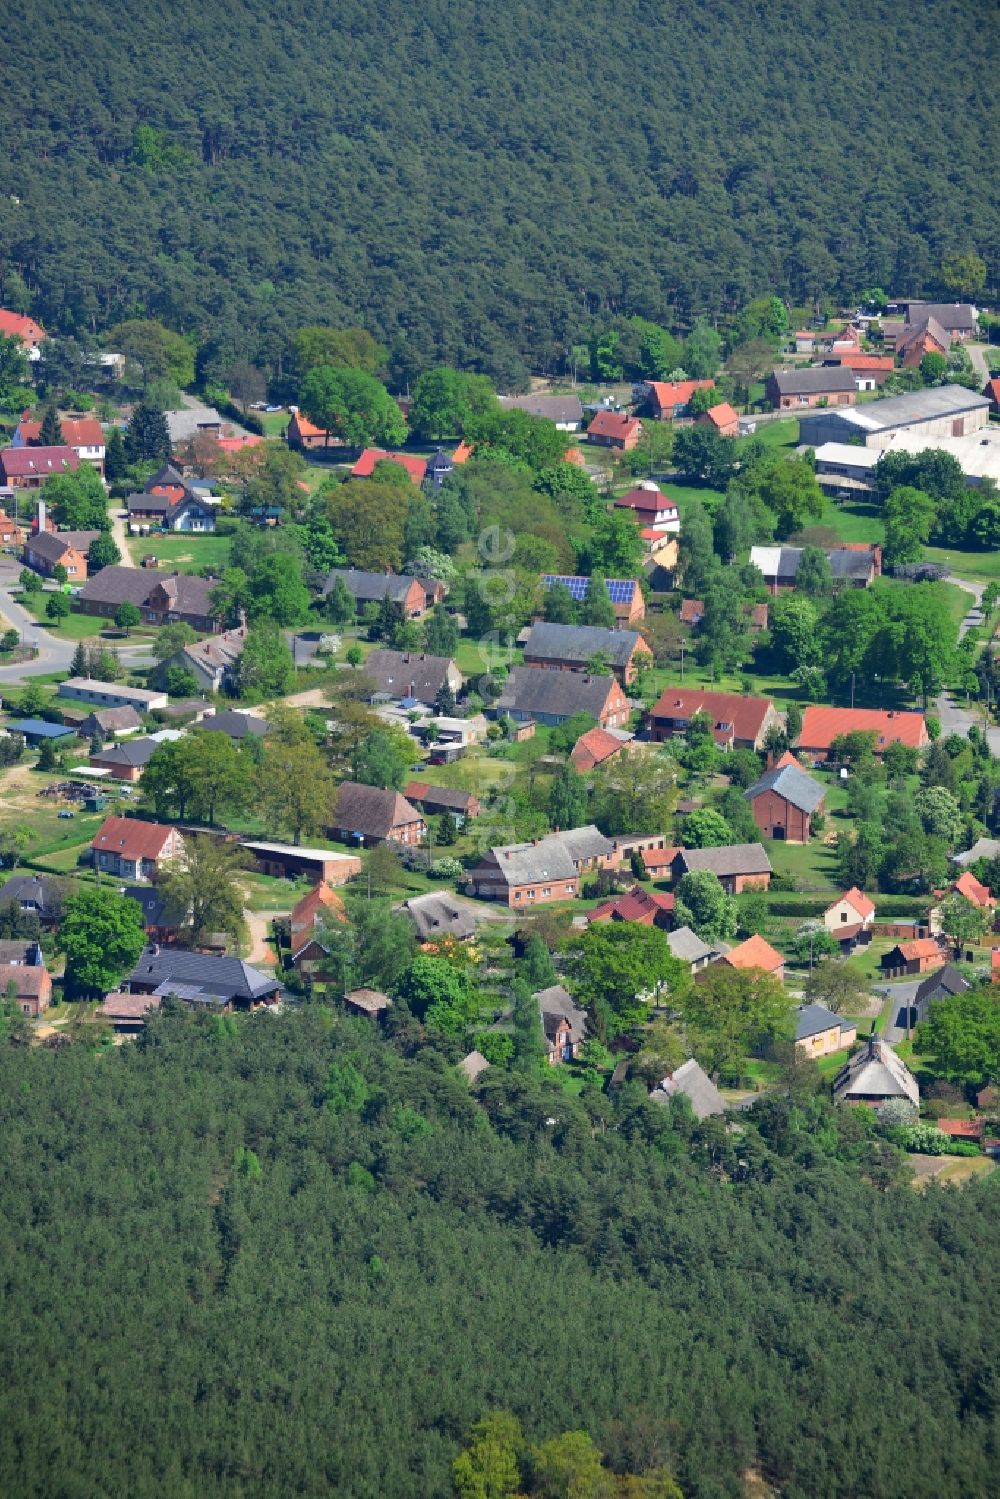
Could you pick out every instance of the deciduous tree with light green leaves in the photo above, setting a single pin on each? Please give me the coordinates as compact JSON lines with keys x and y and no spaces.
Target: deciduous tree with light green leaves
{"x":102,"y":935}
{"x":353,"y":405}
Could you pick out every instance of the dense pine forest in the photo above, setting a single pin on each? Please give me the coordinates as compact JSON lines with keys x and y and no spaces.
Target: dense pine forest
{"x":480,"y":184}
{"x":285,"y":1255}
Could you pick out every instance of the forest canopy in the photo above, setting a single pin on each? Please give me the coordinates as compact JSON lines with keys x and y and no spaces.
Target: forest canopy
{"x":481,"y":186}
{"x":284,"y":1255}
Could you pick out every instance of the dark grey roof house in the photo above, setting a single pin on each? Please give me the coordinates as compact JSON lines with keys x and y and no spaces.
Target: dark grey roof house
{"x":550,"y":697}
{"x":832,"y":380}
{"x":565,"y":411}
{"x":237,"y":725}
{"x":36,"y":894}
{"x":402,"y":674}
{"x":737,"y":862}
{"x":201,"y":979}
{"x":792,"y":784}
{"x":553,"y":645}
{"x":697,"y":1087}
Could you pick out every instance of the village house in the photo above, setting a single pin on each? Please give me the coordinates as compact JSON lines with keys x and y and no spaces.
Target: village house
{"x":615,"y":429}
{"x":375,"y":814}
{"x":691,"y":613}
{"x":917,"y":339}
{"x":213,"y":662}
{"x":669,"y":400}
{"x":646,"y":907}
{"x":565,"y":411}
{"x":415,"y":468}
{"x":694,"y":1083}
{"x":29,"y":985}
{"x":319,"y":907}
{"x":131,"y":849}
{"x":412,"y":597}
{"x":856,"y":565}
{"x":36,"y":895}
{"x":12,"y":533}
{"x":291,"y":861}
{"x":434,"y":801}
{"x":438,"y":916}
{"x":789,"y":390}
{"x":850,"y":918}
{"x":190,"y":513}
{"x":821,"y":726}
{"x":870,"y":371}
{"x":576,"y":647}
{"x":991,"y":390}
{"x":756,"y":953}
{"x":27,"y":332}
{"x":110,"y":722}
{"x":820,"y":1033}
{"x":651,"y":507}
{"x":238,"y":723}
{"x":551,"y":697}
{"x":783,"y":802}
{"x":126,"y":1013}
{"x":960,"y":320}
{"x":625,"y":595}
{"x":83,"y":434}
{"x":906,"y":958}
{"x":127,"y":761}
{"x":738,"y":867}
{"x":370,"y":1004}
{"x":526,"y":874}
{"x":305,"y":437}
{"x":161,"y":597}
{"x":48,"y":550}
{"x":596,"y":747}
{"x":161,"y":917}
{"x":412,"y":675}
{"x":722,"y":419}
{"x":111,"y":694}
{"x":563,"y":1022}
{"x":28,"y":468}
{"x":875,"y":1075}
{"x":738,"y":722}
{"x":688,"y":947}
{"x":202,"y":980}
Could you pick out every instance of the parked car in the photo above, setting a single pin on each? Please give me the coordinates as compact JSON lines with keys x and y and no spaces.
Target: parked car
{"x":66,"y":813}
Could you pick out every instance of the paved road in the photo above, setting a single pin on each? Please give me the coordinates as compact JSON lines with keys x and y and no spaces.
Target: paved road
{"x":55,"y":653}
{"x":977,"y":354}
{"x":119,"y":531}
{"x":957,"y":717}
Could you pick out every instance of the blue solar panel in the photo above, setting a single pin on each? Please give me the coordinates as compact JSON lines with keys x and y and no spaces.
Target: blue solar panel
{"x":620,"y":590}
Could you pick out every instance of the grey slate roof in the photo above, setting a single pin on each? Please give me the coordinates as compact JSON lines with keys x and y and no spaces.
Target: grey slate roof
{"x":585,"y":843}
{"x":149,"y":504}
{"x":688,"y":946}
{"x":737,"y":858}
{"x":534,"y":863}
{"x":783,"y":562}
{"x":555,"y":1004}
{"x":556,"y":408}
{"x":945,"y":981}
{"x":236,"y":725}
{"x":371,"y":811}
{"x":580,"y":643}
{"x":560,"y":694}
{"x":228,"y":978}
{"x":33,"y":891}
{"x":814,"y":382}
{"x":407,"y":673}
{"x":371,"y":587}
{"x":812,"y":1020}
{"x":691,"y":1080}
{"x":156,"y":911}
{"x":118,"y":585}
{"x":52,"y":545}
{"x":795,"y":785}
{"x":439,"y":915}
{"x":134,"y":752}
{"x":949,"y":314}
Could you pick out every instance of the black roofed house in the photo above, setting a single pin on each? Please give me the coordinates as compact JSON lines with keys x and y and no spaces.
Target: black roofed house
{"x":412,"y":674}
{"x":126,"y":761}
{"x":37,"y":895}
{"x":791,"y":389}
{"x":784,"y":801}
{"x":820,"y":1033}
{"x":159,"y":917}
{"x":439,"y":466}
{"x":959,"y":319}
{"x":740,"y":866}
{"x":147,"y":509}
{"x":376,"y":814}
{"x":551,"y":697}
{"x":564,"y":1024}
{"x":693,"y":1083}
{"x":202,"y":980}
{"x":236,"y":724}
{"x":574,"y":647}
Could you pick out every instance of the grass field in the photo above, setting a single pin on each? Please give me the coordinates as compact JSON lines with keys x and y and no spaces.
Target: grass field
{"x":853,"y":521}
{"x":182,"y":553}
{"x":780,"y":434}
{"x":73,"y":627}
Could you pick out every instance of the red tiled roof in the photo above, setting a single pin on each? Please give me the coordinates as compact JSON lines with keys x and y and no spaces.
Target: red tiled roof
{"x":26,"y":463}
{"x":317,"y":902}
{"x":613,"y":424}
{"x":923,"y":947}
{"x":82,"y":432}
{"x":992,"y":389}
{"x":787,"y":759}
{"x":746,"y":715}
{"x":593,"y":748}
{"x":365,"y":466}
{"x":821,"y":726}
{"x":962,"y":1129}
{"x":305,"y":427}
{"x":692,"y":612}
{"x":26,"y":978}
{"x":723,"y":415}
{"x":858,"y":900}
{"x":235,"y":444}
{"x":462,"y":453}
{"x":755,"y":952}
{"x":131,"y":838}
{"x":645,"y":500}
{"x":671,"y":393}
{"x":636,"y":904}
{"x":975,"y":892}
{"x":16,"y":325}
{"x":868,"y":361}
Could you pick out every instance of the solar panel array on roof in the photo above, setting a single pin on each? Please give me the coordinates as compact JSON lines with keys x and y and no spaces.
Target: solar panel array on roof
{"x":620,"y":590}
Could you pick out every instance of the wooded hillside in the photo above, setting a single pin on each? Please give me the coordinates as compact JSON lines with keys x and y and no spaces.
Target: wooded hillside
{"x":482,"y":182}
{"x":276,"y":1256}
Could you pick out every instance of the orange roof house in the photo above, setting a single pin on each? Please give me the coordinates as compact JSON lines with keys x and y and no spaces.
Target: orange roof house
{"x":318,"y":907}
{"x":755,"y":952}
{"x":462,"y":453}
{"x":821,"y":726}
{"x":669,"y":400}
{"x":911,"y":957}
{"x":723,"y":418}
{"x":594,"y":748}
{"x":615,"y":429}
{"x":305,"y":435}
{"x":738,"y":722}
{"x":975,"y":893}
{"x":16,"y":325}
{"x":992,"y":389}
{"x":365,"y":466}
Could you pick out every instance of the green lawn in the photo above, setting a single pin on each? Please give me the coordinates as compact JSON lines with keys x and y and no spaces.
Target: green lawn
{"x":73,"y":627}
{"x":978,"y":567}
{"x":853,"y":520}
{"x":780,"y":434}
{"x":273,"y":422}
{"x":182,"y":553}
{"x":813,"y":865}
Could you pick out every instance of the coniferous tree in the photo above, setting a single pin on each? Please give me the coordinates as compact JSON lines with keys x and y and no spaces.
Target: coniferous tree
{"x":148,"y":437}
{"x":51,"y":433}
{"x":115,"y":459}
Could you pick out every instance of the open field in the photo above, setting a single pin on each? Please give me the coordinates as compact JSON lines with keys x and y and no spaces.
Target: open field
{"x":949,"y":1171}
{"x":182,"y":553}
